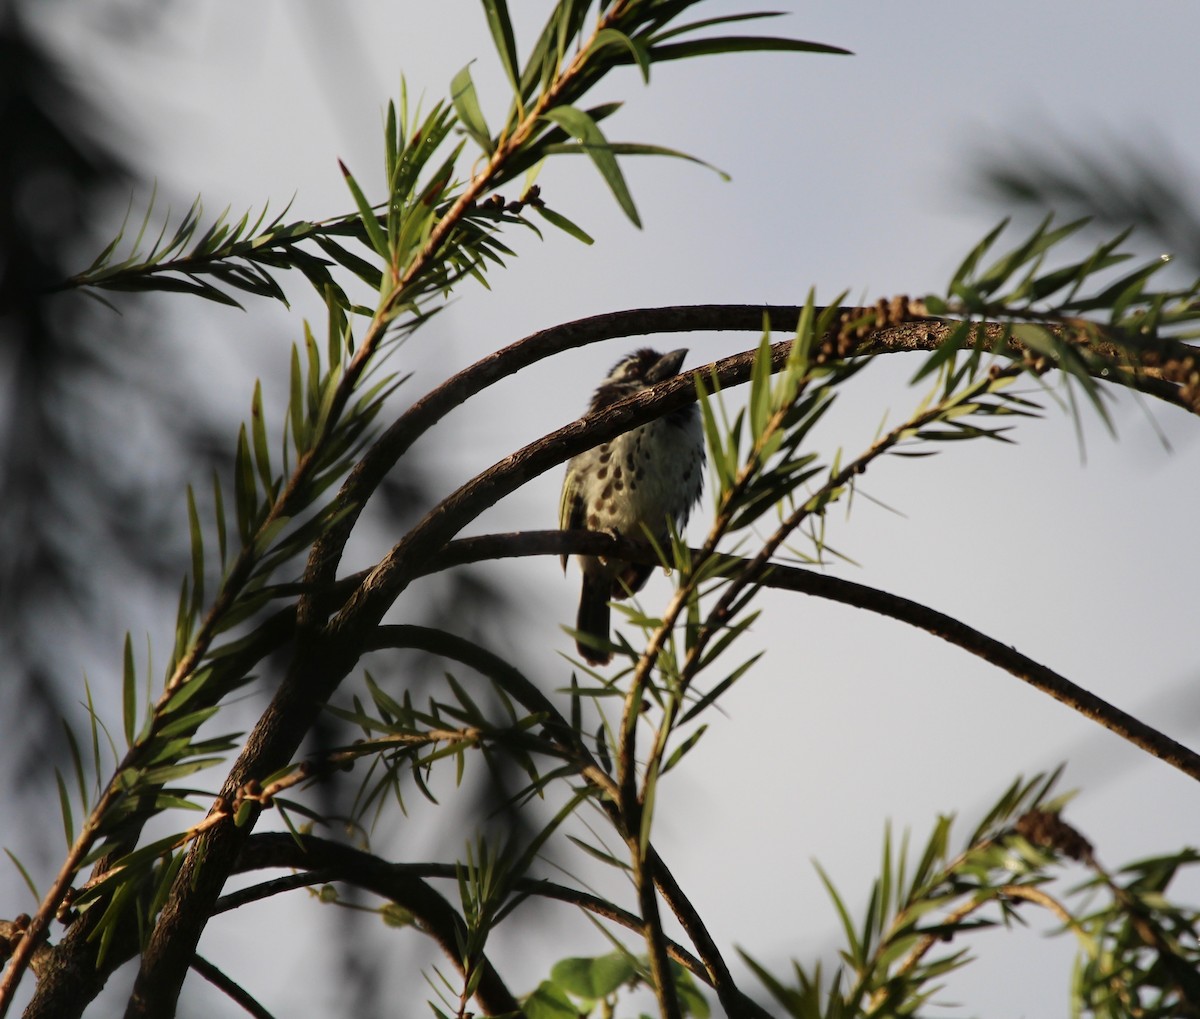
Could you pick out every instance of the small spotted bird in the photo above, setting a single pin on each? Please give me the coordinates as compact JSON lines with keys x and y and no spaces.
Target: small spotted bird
{"x":632,"y":484}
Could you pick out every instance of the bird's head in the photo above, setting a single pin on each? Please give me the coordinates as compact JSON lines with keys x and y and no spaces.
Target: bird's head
{"x":637,"y":371}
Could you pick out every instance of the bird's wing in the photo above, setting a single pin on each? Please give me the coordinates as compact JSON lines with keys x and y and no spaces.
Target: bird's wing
{"x":570,"y":507}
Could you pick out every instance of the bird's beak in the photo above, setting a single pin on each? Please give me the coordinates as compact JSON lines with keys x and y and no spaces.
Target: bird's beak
{"x":666,"y":366}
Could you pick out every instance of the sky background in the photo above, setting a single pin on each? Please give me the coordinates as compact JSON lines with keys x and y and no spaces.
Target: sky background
{"x":855,"y":173}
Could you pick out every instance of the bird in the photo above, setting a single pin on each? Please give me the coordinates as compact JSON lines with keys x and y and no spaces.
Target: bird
{"x":633,"y":486}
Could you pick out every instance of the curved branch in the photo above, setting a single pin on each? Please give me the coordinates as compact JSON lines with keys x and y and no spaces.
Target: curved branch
{"x":905,"y":610}
{"x":326,"y":656}
{"x":321,"y":860}
{"x":455,"y":391}
{"x":393,"y":881}
{"x":229,"y":987}
{"x":924,"y":334}
{"x":391,"y":575}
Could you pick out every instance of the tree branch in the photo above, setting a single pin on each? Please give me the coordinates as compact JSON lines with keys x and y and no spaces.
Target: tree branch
{"x":229,"y":987}
{"x":320,"y":861}
{"x":924,"y":334}
{"x":323,"y":658}
{"x":905,"y":610}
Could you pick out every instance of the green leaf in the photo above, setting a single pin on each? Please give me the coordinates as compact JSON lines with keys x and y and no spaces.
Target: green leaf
{"x":368,"y":218}
{"x":579,"y":125}
{"x":760,"y":389}
{"x":852,"y":942}
{"x":171,"y":772}
{"x":296,"y":418}
{"x":740,"y":44}
{"x":258,"y":429}
{"x":244,"y":491}
{"x":549,"y":1002}
{"x":633,"y":149}
{"x":725,"y":19}
{"x":64,"y":802}
{"x":683,"y":748}
{"x":725,"y":683}
{"x":25,"y":875}
{"x":595,"y":977}
{"x":1038,"y":242}
{"x":967,"y":267}
{"x":197,"y":537}
{"x":944,"y":351}
{"x":129,"y":688}
{"x":690,"y":999}
{"x":639,"y":53}
{"x":502,"y":34}
{"x":187,"y":724}
{"x":466,"y":105}
{"x":725,"y":467}
{"x":564,"y":224}
{"x":219,"y":504}
{"x":600,"y":854}
{"x":361,"y":268}
{"x":77,"y":762}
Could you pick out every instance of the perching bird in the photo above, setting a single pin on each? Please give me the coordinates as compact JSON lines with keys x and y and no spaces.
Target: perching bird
{"x":633,"y":483}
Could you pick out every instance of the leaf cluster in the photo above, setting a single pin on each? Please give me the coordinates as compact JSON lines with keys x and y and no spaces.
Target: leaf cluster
{"x":1137,"y":953}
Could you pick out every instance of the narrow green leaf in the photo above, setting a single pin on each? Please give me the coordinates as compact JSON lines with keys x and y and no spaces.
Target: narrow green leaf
{"x":361,"y":268}
{"x":25,"y":875}
{"x":564,"y":224}
{"x":634,"y":47}
{"x":258,"y":429}
{"x":130,"y":692}
{"x":171,"y":772}
{"x":197,"y":537}
{"x":683,"y":748}
{"x":299,"y":424}
{"x":649,"y":796}
{"x":392,"y":141}
{"x":95,"y":728}
{"x":506,"y":44}
{"x":367,"y":216}
{"x":64,"y":802}
{"x":466,"y":105}
{"x":579,"y":125}
{"x":967,"y":267}
{"x":188,"y":723}
{"x":725,"y":19}
{"x":716,"y":447}
{"x":852,"y":943}
{"x":720,"y":688}
{"x":740,"y":44}
{"x":219,"y":503}
{"x":77,"y":763}
{"x":760,"y":389}
{"x":946,"y":350}
{"x":600,"y":854}
{"x":244,"y":491}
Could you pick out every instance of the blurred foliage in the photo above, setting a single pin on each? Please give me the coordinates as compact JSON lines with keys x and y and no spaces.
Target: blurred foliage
{"x":74,"y":510}
{"x":1116,"y":183}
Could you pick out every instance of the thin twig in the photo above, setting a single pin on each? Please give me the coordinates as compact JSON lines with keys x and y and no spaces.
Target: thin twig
{"x":230,"y":987}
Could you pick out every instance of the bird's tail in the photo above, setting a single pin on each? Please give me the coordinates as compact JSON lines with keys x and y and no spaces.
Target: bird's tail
{"x":592,"y":625}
